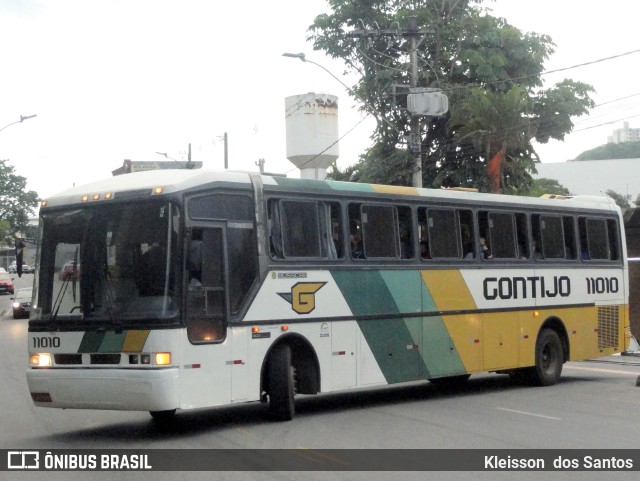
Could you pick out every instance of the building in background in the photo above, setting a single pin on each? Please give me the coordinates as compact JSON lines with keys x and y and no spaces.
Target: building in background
{"x":625,"y":134}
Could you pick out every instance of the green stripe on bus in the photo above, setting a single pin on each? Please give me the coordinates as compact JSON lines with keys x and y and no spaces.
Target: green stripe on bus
{"x":429,"y":333}
{"x":91,"y":341}
{"x":390,"y":340}
{"x":405,"y":349}
{"x":351,"y":186}
{"x":112,"y":341}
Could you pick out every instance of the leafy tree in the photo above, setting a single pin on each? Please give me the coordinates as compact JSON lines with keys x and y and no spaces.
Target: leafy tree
{"x":490,"y":71}
{"x":623,"y":201}
{"x":16,"y":203}
{"x":543,"y":186}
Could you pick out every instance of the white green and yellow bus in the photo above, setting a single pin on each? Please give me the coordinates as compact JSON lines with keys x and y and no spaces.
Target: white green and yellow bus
{"x":171,"y":290}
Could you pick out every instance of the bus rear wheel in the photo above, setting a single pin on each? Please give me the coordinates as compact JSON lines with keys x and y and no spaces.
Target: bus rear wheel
{"x":281,"y":384}
{"x":549,"y":359}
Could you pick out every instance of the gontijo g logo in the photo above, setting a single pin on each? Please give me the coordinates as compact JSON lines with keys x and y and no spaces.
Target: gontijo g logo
{"x":302,"y":296}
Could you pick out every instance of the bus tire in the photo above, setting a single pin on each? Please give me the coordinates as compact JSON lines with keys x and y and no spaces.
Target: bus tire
{"x":281,"y":384}
{"x":549,"y":359}
{"x":163,"y":416}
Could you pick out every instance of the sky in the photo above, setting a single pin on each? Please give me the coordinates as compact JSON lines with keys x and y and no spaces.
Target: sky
{"x":111,"y":80}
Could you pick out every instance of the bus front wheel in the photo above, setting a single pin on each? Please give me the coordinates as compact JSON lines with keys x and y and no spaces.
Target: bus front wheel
{"x":549,"y":359}
{"x":281,"y":384}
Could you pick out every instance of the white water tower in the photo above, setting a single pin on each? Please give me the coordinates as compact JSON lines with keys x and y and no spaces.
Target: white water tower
{"x":312,"y":133}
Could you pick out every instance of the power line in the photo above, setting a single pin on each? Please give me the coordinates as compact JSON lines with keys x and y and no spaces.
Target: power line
{"x":331,"y":145}
{"x":451,"y":144}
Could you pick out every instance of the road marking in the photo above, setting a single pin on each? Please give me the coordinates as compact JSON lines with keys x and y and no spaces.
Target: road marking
{"x":529,"y":414}
{"x":608,"y":371}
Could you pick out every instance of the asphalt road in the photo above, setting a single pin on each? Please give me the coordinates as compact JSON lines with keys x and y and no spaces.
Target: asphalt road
{"x":596,"y":405}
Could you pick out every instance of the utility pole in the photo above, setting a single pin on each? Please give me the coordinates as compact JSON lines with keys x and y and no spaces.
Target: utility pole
{"x":416,"y":37}
{"x":415,"y":143}
{"x":226,"y":151}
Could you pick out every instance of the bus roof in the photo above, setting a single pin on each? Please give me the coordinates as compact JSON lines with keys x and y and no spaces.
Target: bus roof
{"x":173,"y":181}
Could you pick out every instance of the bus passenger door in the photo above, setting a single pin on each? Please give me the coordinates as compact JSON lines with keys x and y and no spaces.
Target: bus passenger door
{"x":209,"y":353}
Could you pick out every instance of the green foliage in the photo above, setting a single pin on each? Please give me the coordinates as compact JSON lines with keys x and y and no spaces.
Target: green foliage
{"x":623,"y":201}
{"x":16,"y":203}
{"x":489,"y":69}
{"x":625,"y":150}
{"x":540,"y":187}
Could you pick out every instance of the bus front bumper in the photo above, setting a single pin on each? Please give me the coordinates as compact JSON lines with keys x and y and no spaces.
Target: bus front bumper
{"x":119,"y":389}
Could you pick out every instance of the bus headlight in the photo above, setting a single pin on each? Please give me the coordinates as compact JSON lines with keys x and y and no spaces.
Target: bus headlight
{"x":163,"y":358}
{"x":40,"y":360}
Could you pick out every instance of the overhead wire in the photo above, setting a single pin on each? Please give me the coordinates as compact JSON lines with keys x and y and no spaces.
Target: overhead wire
{"x":548,"y":72}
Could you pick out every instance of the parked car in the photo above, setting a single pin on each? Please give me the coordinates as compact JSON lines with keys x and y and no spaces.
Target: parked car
{"x":6,"y":284}
{"x":22,"y":303}
{"x":67,"y":271}
{"x":26,"y":268}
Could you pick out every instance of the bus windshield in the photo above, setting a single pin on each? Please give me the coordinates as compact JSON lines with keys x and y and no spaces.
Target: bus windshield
{"x":108,"y":264}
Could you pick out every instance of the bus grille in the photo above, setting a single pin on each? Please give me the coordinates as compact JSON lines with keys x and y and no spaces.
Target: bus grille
{"x":608,"y":319}
{"x":105,"y":358}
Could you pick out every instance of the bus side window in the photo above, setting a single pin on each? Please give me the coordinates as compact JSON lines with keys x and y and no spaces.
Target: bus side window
{"x":380,"y":233}
{"x":337,"y":231}
{"x":443,"y":231}
{"x":614,"y":245}
{"x":423,"y":237}
{"x":467,"y":235}
{"x":522,"y":233}
{"x":483,"y":235}
{"x":355,"y":232}
{"x":569,"y":237}
{"x":405,"y":228}
{"x":502,"y":235}
{"x":594,"y":242}
{"x":552,"y":236}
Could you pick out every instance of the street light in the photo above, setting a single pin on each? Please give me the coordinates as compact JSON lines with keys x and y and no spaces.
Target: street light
{"x":369,"y":108}
{"x":303,"y":58}
{"x":22,"y":119}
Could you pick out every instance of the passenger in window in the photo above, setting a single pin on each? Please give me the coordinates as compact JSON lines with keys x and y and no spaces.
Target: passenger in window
{"x":568,"y":253}
{"x":357,"y":251}
{"x":522,"y":250}
{"x":584,"y":250}
{"x":424,"y":250}
{"x":406,"y":252}
{"x":537,"y":253}
{"x":467,"y":242}
{"x":337,"y":244}
{"x":486,"y":252}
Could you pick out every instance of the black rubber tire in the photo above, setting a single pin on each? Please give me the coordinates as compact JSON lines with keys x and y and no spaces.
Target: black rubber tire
{"x":163,"y":416}
{"x":549,"y":359}
{"x":281,"y":384}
